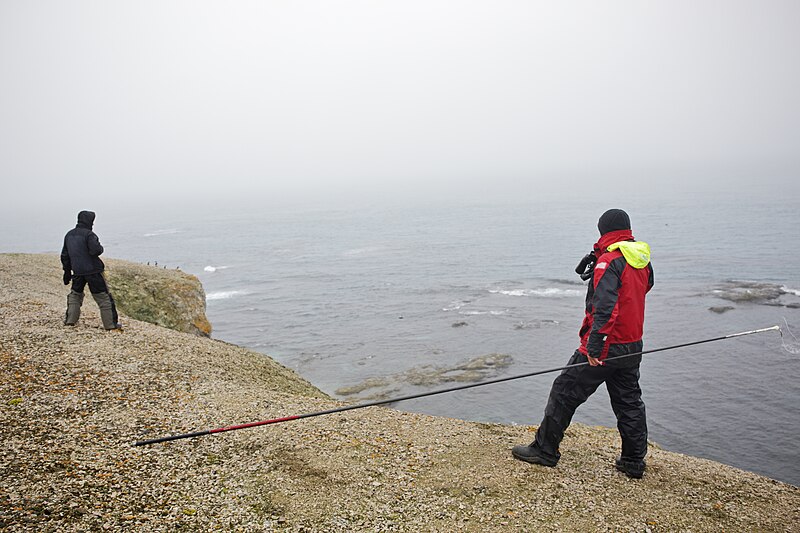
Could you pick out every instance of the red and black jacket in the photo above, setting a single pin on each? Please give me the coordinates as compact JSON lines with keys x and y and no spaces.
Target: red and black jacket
{"x":615,"y":299}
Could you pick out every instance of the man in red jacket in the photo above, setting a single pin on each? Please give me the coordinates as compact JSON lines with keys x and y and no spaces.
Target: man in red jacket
{"x":620,"y":279}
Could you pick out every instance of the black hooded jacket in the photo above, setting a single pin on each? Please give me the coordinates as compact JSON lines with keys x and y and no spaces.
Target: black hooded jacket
{"x":82,"y":248}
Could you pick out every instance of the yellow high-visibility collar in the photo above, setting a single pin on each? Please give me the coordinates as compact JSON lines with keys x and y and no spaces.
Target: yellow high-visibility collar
{"x":636,"y":253}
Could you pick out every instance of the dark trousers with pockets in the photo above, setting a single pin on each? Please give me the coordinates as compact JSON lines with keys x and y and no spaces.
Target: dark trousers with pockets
{"x":97,"y":284}
{"x":574,"y":386}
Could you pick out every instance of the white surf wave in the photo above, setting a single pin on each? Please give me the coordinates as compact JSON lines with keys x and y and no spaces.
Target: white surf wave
{"x":787,"y":290}
{"x":160,"y":232}
{"x":478,"y":313}
{"x":210,"y":268}
{"x":551,"y":292}
{"x":455,"y":306}
{"x":361,"y":251}
{"x":223,"y":295}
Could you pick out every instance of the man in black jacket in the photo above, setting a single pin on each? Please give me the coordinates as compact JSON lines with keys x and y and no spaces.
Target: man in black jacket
{"x":80,"y":258}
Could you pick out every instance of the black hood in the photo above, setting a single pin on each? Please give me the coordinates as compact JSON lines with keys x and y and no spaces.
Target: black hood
{"x":86,"y":219}
{"x":613,"y":220}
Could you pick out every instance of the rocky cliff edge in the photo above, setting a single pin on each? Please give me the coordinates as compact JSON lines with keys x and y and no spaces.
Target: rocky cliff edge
{"x":74,"y":399}
{"x":168,"y":298}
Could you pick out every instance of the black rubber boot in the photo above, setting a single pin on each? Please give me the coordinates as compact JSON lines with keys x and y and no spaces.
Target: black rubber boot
{"x":632,"y":469}
{"x":532,"y":454}
{"x":74,"y":302}
{"x":108,"y":313}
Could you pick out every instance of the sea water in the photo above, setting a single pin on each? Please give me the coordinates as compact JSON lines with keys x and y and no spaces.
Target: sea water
{"x":383,"y":302}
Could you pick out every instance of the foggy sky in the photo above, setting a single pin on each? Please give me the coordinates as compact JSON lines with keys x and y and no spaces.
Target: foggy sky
{"x":326,"y":100}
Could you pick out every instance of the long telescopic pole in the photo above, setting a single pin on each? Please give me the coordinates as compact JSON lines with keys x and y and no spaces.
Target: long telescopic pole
{"x":432,"y":393}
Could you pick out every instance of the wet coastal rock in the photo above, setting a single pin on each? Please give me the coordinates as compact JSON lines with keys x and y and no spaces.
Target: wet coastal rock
{"x":472,"y":370}
{"x":755,"y":292}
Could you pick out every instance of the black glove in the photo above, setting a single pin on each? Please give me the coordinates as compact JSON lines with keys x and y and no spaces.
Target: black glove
{"x":595,"y":344}
{"x":67,"y":277}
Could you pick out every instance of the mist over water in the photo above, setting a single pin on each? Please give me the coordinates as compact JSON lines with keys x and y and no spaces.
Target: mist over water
{"x":384,"y":302}
{"x":390,"y":196}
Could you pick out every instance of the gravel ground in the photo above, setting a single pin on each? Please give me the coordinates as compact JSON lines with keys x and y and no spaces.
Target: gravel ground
{"x":74,"y":399}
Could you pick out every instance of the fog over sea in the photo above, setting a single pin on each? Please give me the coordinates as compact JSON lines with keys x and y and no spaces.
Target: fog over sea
{"x":383,"y":302}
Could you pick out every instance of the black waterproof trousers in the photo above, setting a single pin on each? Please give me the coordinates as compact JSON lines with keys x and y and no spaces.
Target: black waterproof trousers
{"x":97,"y":285}
{"x":574,"y":386}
